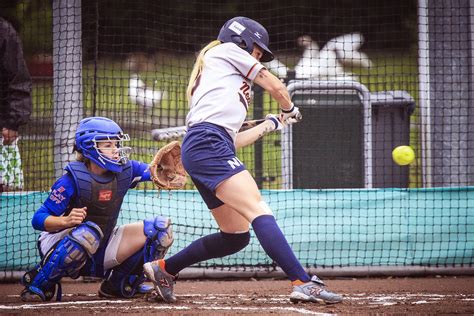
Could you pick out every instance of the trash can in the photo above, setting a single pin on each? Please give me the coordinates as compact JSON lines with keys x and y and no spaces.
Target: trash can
{"x":328,"y":144}
{"x":391,"y":111}
{"x":346,"y":137}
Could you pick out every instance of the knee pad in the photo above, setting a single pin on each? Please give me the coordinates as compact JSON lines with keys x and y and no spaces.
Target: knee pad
{"x":236,"y":242}
{"x":159,"y":237}
{"x":66,"y":258}
{"x":88,"y":235}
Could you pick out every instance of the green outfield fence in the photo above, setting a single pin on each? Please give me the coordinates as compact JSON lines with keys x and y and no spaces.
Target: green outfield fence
{"x":367,"y":75}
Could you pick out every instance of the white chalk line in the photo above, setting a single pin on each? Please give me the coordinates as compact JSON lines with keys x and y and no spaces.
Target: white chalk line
{"x":74,"y":304}
{"x":202,"y":300}
{"x":354,"y":296}
{"x":387,"y":300}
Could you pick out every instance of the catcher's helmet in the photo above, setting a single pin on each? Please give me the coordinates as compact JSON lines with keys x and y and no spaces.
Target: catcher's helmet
{"x":92,"y":130}
{"x":245,"y":33}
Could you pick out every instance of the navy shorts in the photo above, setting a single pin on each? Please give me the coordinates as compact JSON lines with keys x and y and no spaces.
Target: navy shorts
{"x":208,"y":155}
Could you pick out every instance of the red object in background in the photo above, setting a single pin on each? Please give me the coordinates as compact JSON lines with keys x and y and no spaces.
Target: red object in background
{"x":40,"y":66}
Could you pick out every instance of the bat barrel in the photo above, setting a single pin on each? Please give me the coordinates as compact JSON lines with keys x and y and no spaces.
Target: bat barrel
{"x":168,"y":133}
{"x":179,"y":131}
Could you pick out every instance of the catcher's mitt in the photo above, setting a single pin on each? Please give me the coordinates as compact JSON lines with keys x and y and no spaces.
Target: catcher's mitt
{"x":166,"y":169}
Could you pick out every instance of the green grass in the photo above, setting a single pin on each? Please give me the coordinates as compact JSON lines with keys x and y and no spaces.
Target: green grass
{"x":390,"y":72}
{"x":37,"y":160}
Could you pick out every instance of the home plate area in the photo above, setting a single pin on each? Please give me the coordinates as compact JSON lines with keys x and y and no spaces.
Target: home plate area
{"x":390,"y":295}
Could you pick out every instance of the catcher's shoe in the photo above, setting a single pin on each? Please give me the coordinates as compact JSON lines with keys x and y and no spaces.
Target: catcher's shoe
{"x":107,"y":289}
{"x":163,"y":281}
{"x":34,"y":294}
{"x":314,"y":291}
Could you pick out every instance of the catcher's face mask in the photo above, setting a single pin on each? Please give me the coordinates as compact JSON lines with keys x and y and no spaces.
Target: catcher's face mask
{"x":110,"y":149}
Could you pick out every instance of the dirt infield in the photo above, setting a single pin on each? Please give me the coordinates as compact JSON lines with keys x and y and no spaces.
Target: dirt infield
{"x":430,"y":295}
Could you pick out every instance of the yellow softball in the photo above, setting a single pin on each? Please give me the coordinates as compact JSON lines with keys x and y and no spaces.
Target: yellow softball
{"x":403,"y":155}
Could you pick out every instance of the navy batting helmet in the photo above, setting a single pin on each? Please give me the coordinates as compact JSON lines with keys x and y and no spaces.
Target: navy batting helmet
{"x":245,"y":33}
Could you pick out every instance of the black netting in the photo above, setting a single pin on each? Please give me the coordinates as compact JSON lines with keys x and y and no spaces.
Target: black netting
{"x":368,"y":76}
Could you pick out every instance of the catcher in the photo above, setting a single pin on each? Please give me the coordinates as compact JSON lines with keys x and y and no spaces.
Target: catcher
{"x":78,"y":219}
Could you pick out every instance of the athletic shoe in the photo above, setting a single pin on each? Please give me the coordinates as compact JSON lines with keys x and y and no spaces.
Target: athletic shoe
{"x":163,"y":281}
{"x":107,"y":289}
{"x":314,"y":291}
{"x":32,"y":295}
{"x":35,"y":294}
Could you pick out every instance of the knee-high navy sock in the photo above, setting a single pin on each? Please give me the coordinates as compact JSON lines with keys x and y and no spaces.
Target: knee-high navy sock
{"x":275,"y":245}
{"x":211,"y":246}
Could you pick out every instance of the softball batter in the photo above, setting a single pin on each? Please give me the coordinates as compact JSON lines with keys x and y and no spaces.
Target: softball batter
{"x":219,"y":95}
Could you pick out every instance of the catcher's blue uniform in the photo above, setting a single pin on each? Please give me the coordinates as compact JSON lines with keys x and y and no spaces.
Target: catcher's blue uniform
{"x":63,"y":193}
{"x":92,"y":245}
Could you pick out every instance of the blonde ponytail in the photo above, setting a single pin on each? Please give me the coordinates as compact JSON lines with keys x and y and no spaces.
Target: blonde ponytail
{"x":198,"y":65}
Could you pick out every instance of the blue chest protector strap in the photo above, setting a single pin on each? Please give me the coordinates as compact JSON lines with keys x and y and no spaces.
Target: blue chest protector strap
{"x":66,"y":258}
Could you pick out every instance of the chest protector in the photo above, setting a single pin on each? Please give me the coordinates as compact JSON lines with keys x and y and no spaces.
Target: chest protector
{"x":102,"y":195}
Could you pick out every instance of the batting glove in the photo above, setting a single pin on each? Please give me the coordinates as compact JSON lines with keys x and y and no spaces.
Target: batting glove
{"x":279,"y":125}
{"x":293,"y":113}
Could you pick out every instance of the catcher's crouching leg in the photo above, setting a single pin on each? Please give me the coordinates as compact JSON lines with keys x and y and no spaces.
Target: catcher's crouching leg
{"x":66,"y":258}
{"x":126,"y":279}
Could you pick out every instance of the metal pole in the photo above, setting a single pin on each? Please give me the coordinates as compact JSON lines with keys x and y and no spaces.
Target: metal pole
{"x":450,"y":54}
{"x":424,"y":88}
{"x":258,"y":146}
{"x":67,"y":82}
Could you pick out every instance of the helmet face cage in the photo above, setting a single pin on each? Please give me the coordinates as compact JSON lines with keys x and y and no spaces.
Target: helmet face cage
{"x":122,"y":151}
